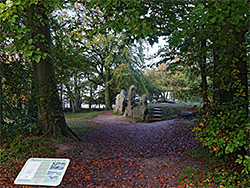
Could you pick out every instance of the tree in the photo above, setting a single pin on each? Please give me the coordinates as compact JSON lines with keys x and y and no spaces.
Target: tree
{"x":219,"y":31}
{"x":15,"y":82}
{"x":230,"y":24}
{"x":1,"y":98}
{"x":210,"y":37}
{"x":71,"y":65}
{"x":50,"y":117}
{"x":34,"y":29}
{"x":181,"y":84}
{"x":130,"y":72}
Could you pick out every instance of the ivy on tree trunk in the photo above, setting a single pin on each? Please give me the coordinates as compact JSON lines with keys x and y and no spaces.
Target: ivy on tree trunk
{"x":50,"y":120}
{"x":203,"y":70}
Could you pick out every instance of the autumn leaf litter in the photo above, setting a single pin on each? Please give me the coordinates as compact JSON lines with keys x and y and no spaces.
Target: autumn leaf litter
{"x":123,"y":153}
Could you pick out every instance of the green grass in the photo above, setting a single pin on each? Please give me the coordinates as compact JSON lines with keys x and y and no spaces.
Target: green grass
{"x":175,"y":105}
{"x":171,"y":111}
{"x":81,"y":116}
{"x":80,"y":122}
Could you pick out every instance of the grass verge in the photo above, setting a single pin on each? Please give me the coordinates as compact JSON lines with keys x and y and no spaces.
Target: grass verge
{"x":79,"y":122}
{"x":81,"y":116}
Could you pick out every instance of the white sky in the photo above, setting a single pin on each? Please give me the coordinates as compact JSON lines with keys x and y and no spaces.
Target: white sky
{"x":153,"y":49}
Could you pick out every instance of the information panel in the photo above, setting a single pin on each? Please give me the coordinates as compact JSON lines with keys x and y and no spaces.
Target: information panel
{"x":42,"y":171}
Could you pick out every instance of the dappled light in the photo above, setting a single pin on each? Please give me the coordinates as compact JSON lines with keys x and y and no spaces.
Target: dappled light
{"x":83,"y":80}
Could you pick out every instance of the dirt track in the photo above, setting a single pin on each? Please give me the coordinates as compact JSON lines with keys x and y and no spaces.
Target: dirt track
{"x":119,"y":152}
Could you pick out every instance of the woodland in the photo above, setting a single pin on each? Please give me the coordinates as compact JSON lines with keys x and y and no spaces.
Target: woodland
{"x":56,"y":56}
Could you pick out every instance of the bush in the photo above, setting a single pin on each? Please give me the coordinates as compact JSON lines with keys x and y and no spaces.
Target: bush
{"x":224,"y":130}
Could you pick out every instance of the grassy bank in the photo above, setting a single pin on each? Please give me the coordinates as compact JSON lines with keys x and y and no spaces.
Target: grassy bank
{"x":173,"y":110}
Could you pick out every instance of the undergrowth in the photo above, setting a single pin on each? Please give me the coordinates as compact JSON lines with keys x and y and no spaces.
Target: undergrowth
{"x":18,"y":143}
{"x":220,"y":173}
{"x":16,"y":149}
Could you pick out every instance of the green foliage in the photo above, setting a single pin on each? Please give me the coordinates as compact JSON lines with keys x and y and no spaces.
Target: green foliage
{"x":194,"y":177}
{"x":125,"y":76}
{"x":210,"y":38}
{"x":245,"y":161}
{"x":17,"y":94}
{"x":14,"y":19}
{"x":133,"y":17}
{"x":16,"y":149}
{"x":217,"y":173}
{"x":224,"y":124}
{"x":181,"y":84}
{"x":101,"y":54}
{"x":16,"y":122}
{"x":71,"y":65}
{"x":225,"y":132}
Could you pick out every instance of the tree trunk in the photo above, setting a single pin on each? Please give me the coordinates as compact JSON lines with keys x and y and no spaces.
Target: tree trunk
{"x":61,"y":95}
{"x":231,"y":61}
{"x":50,"y":119}
{"x":230,"y":76}
{"x":32,"y":106}
{"x":1,"y":98}
{"x":239,"y":52}
{"x":107,"y":90}
{"x":76,"y":98}
{"x":91,"y":96}
{"x":216,"y":93}
{"x":204,"y":76}
{"x":79,"y":100}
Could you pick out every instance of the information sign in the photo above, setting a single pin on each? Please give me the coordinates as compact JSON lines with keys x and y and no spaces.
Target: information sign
{"x":42,"y":171}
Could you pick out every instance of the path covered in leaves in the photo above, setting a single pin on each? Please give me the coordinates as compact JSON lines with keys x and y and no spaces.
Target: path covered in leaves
{"x":117,"y":152}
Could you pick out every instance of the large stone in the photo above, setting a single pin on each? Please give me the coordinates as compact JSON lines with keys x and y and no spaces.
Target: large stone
{"x":136,"y":112}
{"x":116,"y":103}
{"x":121,"y":102}
{"x":131,"y":100}
{"x":126,"y":104}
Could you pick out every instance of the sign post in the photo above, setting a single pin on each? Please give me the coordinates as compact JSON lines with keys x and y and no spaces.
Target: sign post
{"x":42,"y":171}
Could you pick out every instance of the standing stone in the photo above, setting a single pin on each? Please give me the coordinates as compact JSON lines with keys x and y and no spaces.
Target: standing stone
{"x":121,"y":102}
{"x":143,"y":106}
{"x":131,"y":100}
{"x":116,"y":103}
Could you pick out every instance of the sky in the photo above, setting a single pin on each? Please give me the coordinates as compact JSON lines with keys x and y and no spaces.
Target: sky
{"x":153,"y":49}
